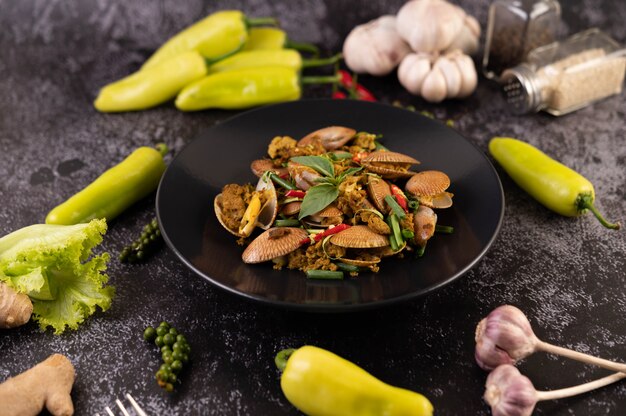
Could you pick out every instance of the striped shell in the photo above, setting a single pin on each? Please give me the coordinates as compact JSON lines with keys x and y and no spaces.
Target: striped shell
{"x":389,"y":165}
{"x":291,"y":208}
{"x":428,"y":183}
{"x":273,"y":243}
{"x":359,"y":236}
{"x":361,"y":263}
{"x":378,"y":189}
{"x":332,"y":137}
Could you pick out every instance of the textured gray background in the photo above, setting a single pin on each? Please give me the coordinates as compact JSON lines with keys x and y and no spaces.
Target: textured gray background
{"x":567,"y":274}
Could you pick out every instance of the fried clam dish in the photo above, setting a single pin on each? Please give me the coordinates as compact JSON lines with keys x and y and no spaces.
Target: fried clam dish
{"x":333,"y":203}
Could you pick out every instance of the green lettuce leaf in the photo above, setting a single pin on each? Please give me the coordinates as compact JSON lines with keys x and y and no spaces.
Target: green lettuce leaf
{"x":55,"y":266}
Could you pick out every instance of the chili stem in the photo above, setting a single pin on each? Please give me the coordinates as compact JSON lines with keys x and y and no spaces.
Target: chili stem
{"x":586,"y":202}
{"x":445,"y":229}
{"x":309,"y":63}
{"x":303,"y":47}
{"x":420,"y":251}
{"x":282,"y":357}
{"x":320,"y":80}
{"x":162,"y":148}
{"x":580,"y":389}
{"x":261,"y":21}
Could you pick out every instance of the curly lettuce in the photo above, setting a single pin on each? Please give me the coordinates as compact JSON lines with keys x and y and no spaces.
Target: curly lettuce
{"x":54,"y":265}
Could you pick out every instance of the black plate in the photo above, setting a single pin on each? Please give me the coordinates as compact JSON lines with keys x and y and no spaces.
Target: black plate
{"x":223,"y":154}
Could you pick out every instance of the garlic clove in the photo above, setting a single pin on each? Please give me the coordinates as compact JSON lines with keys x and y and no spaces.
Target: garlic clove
{"x":434,"y":87}
{"x":429,"y":25}
{"x":413,"y":71}
{"x":467,"y":69}
{"x":452,"y":75}
{"x":375,"y":47}
{"x":509,"y":393}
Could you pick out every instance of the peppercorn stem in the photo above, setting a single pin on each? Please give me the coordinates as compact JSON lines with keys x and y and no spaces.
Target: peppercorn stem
{"x":586,"y":202}
{"x":579,"y":356}
{"x":261,"y":21}
{"x":580,"y":389}
{"x":303,"y":47}
{"x":309,"y":63}
{"x":282,"y":357}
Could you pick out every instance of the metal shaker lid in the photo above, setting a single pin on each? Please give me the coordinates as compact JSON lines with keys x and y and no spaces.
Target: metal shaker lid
{"x":520,"y":89}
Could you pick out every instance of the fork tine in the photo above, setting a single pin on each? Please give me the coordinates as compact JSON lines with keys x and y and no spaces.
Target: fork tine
{"x":138,"y":409}
{"x":121,"y":406}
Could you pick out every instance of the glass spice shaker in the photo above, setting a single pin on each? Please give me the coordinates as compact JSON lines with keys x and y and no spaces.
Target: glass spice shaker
{"x":514,"y":28}
{"x":564,"y":76}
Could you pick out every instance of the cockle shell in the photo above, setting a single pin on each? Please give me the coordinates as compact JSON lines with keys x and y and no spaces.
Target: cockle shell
{"x":332,"y":137}
{"x":260,"y":166}
{"x":429,"y":188}
{"x":378,"y":189}
{"x":424,"y":222}
{"x":359,"y":236}
{"x":273,"y":243}
{"x":389,"y":165}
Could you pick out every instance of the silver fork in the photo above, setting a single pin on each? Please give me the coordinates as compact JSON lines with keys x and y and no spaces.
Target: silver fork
{"x":119,"y":404}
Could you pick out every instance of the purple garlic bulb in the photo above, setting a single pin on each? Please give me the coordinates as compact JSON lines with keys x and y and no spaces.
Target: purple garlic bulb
{"x":509,"y":393}
{"x":503,"y":337}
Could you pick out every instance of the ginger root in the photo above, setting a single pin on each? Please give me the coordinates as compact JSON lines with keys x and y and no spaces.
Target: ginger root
{"x":48,"y":384}
{"x":15,"y":308}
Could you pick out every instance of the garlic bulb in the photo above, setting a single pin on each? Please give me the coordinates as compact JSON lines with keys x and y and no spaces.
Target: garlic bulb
{"x":375,"y":47}
{"x":436,"y":26}
{"x":437,"y":77}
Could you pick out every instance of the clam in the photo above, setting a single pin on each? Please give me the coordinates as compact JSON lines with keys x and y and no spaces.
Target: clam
{"x":304,"y":176}
{"x":332,"y":137}
{"x":273,"y":243}
{"x":359,"y":236}
{"x":260,"y":166}
{"x":389,"y":165}
{"x":378,"y":189}
{"x":362,"y":263}
{"x":260,"y":212}
{"x":291,"y":208}
{"x":424,"y":222}
{"x":331,"y":215}
{"x":429,"y":187}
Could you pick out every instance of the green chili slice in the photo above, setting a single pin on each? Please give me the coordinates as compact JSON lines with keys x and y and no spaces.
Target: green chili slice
{"x":280,"y":181}
{"x":395,"y":207}
{"x":287,"y":223}
{"x":444,"y":229}
{"x":324,"y":274}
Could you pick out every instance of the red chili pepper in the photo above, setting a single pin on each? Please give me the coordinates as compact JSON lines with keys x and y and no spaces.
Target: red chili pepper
{"x":400,"y":197}
{"x":339,"y":95}
{"x":358,"y":156}
{"x":327,"y":232}
{"x":357,"y":90}
{"x":295,"y":193}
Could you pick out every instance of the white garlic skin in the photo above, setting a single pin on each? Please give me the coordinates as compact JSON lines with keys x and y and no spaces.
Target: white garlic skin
{"x":437,"y":26}
{"x":375,"y":47}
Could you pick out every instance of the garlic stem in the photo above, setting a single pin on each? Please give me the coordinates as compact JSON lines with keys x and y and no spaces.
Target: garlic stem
{"x":580,"y":389}
{"x":579,"y":356}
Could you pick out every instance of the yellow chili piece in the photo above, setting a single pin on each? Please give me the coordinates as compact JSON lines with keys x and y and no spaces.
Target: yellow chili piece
{"x":320,"y":383}
{"x":115,"y":190}
{"x":216,"y":36}
{"x":152,"y":86}
{"x":553,"y":184}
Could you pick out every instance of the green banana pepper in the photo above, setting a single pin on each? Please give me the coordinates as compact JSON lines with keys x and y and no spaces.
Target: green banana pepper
{"x":269,"y":57}
{"x":152,"y":86}
{"x":273,"y":38}
{"x":216,"y":36}
{"x":320,"y":383}
{"x":115,"y":190}
{"x":244,"y":88}
{"x":553,"y":184}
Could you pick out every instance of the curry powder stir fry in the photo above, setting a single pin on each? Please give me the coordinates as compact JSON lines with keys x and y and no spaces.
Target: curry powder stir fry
{"x":332,"y":202}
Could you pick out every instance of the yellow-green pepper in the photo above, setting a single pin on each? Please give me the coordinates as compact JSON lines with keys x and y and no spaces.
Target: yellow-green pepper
{"x":152,"y":86}
{"x":269,"y":57}
{"x":115,"y":190}
{"x":244,"y":88}
{"x":320,"y":383}
{"x":273,"y":38}
{"x":216,"y":36}
{"x":553,"y":184}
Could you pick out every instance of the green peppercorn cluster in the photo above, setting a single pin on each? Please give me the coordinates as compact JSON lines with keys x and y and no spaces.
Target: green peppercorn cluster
{"x":147,"y":243}
{"x":174,"y":352}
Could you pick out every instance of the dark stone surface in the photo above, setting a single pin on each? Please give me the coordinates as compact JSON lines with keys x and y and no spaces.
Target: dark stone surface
{"x":567,"y":274}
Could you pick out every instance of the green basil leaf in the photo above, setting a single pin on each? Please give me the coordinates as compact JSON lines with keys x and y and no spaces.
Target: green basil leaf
{"x":317,"y":198}
{"x":348,"y":172}
{"x":319,"y":163}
